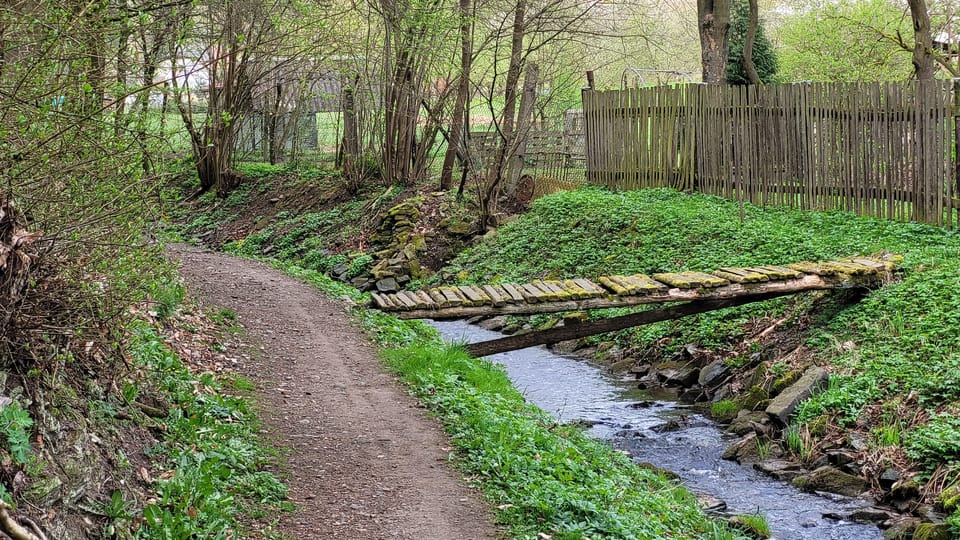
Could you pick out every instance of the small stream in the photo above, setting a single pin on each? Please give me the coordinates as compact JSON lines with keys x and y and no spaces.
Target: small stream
{"x":573,"y":389}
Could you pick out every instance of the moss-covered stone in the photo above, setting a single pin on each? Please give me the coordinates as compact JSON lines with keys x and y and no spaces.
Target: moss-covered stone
{"x":932,"y":531}
{"x":831,"y":480}
{"x":949,"y":498}
{"x":786,"y":380}
{"x":754,"y":398}
{"x":459,"y":228}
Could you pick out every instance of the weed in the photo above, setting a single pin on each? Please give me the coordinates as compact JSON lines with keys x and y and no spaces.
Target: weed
{"x":167,"y":295}
{"x":799,"y":441}
{"x":778,"y":369}
{"x":754,"y":524}
{"x":14,"y":423}
{"x":724,"y":409}
{"x":217,"y":476}
{"x":763,"y":448}
{"x":889,"y":434}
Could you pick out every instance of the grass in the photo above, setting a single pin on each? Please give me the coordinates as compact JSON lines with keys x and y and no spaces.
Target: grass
{"x":211,"y":452}
{"x":724,"y":410}
{"x":754,"y":524}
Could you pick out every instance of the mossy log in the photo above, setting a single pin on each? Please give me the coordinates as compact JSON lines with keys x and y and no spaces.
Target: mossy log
{"x":589,"y":328}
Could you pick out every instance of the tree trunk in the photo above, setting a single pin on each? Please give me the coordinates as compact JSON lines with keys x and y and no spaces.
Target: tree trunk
{"x":458,"y":120}
{"x":923,"y":63}
{"x":527,"y":101}
{"x":713,"y":18}
{"x":749,"y":68}
{"x":488,"y":196}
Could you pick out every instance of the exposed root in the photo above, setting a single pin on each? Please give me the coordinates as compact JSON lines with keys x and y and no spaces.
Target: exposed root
{"x":14,"y":530}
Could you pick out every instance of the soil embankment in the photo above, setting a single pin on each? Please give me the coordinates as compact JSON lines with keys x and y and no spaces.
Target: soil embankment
{"x":363,"y":461}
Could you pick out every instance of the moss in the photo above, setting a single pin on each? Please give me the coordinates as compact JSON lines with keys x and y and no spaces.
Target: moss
{"x":754,"y":398}
{"x":818,"y":426}
{"x":724,"y":411}
{"x":932,"y":531}
{"x":783,"y":382}
{"x":949,"y":498}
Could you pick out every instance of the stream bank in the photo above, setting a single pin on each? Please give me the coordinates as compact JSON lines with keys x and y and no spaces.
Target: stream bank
{"x":639,"y":421}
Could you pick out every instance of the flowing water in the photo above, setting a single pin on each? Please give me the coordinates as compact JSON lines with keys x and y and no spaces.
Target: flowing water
{"x":573,"y":389}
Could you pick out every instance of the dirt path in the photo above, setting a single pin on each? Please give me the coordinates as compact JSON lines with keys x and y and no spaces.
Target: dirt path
{"x":364,"y":461}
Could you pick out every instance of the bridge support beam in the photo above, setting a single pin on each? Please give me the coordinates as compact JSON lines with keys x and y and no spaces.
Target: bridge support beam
{"x":563,"y":333}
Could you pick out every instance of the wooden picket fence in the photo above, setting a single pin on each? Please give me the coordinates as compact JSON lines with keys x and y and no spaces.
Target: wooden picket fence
{"x":887,"y":150}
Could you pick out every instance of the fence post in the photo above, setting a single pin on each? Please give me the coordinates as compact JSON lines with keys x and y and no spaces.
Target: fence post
{"x":953,"y":199}
{"x":588,"y":127}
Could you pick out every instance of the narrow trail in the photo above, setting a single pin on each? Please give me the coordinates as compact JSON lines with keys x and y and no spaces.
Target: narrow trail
{"x":364,"y":461}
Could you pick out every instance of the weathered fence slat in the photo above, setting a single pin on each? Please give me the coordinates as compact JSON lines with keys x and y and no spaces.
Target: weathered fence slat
{"x":880,"y":149}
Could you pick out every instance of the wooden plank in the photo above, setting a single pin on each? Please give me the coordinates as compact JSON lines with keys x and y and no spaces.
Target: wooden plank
{"x":472,"y":297}
{"x":381,"y":301}
{"x":554,"y":287}
{"x":885,"y":266}
{"x":438,"y":297}
{"x":402,"y":299}
{"x":743,"y":275}
{"x":589,"y":286}
{"x":746,"y":277}
{"x":624,"y":283}
{"x":495,"y":297}
{"x":452,"y":297}
{"x":426,"y":299}
{"x":703,"y":279}
{"x":546,"y":294}
{"x":612,"y":286}
{"x":514,"y":292}
{"x":530,"y":293}
{"x":481,"y":294}
{"x":410,"y":299}
{"x":645,"y":284}
{"x":776,"y":272}
{"x":572,"y":288}
{"x":675,"y":280}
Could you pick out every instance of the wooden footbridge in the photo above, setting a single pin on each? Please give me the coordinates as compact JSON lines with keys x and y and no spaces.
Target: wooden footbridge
{"x":697,"y":292}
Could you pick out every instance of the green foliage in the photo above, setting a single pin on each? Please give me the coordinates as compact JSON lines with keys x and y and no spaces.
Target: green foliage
{"x":725,"y":409}
{"x":545,"y":478}
{"x":261,"y":170}
{"x":14,"y":423}
{"x":846,"y":40}
{"x":954,"y":521}
{"x":904,"y":335}
{"x":166,"y":295}
{"x":763,"y":448}
{"x":359,"y":265}
{"x":754,"y":524}
{"x":211,"y":444}
{"x":799,"y":441}
{"x":764,"y":55}
{"x":937,"y":441}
